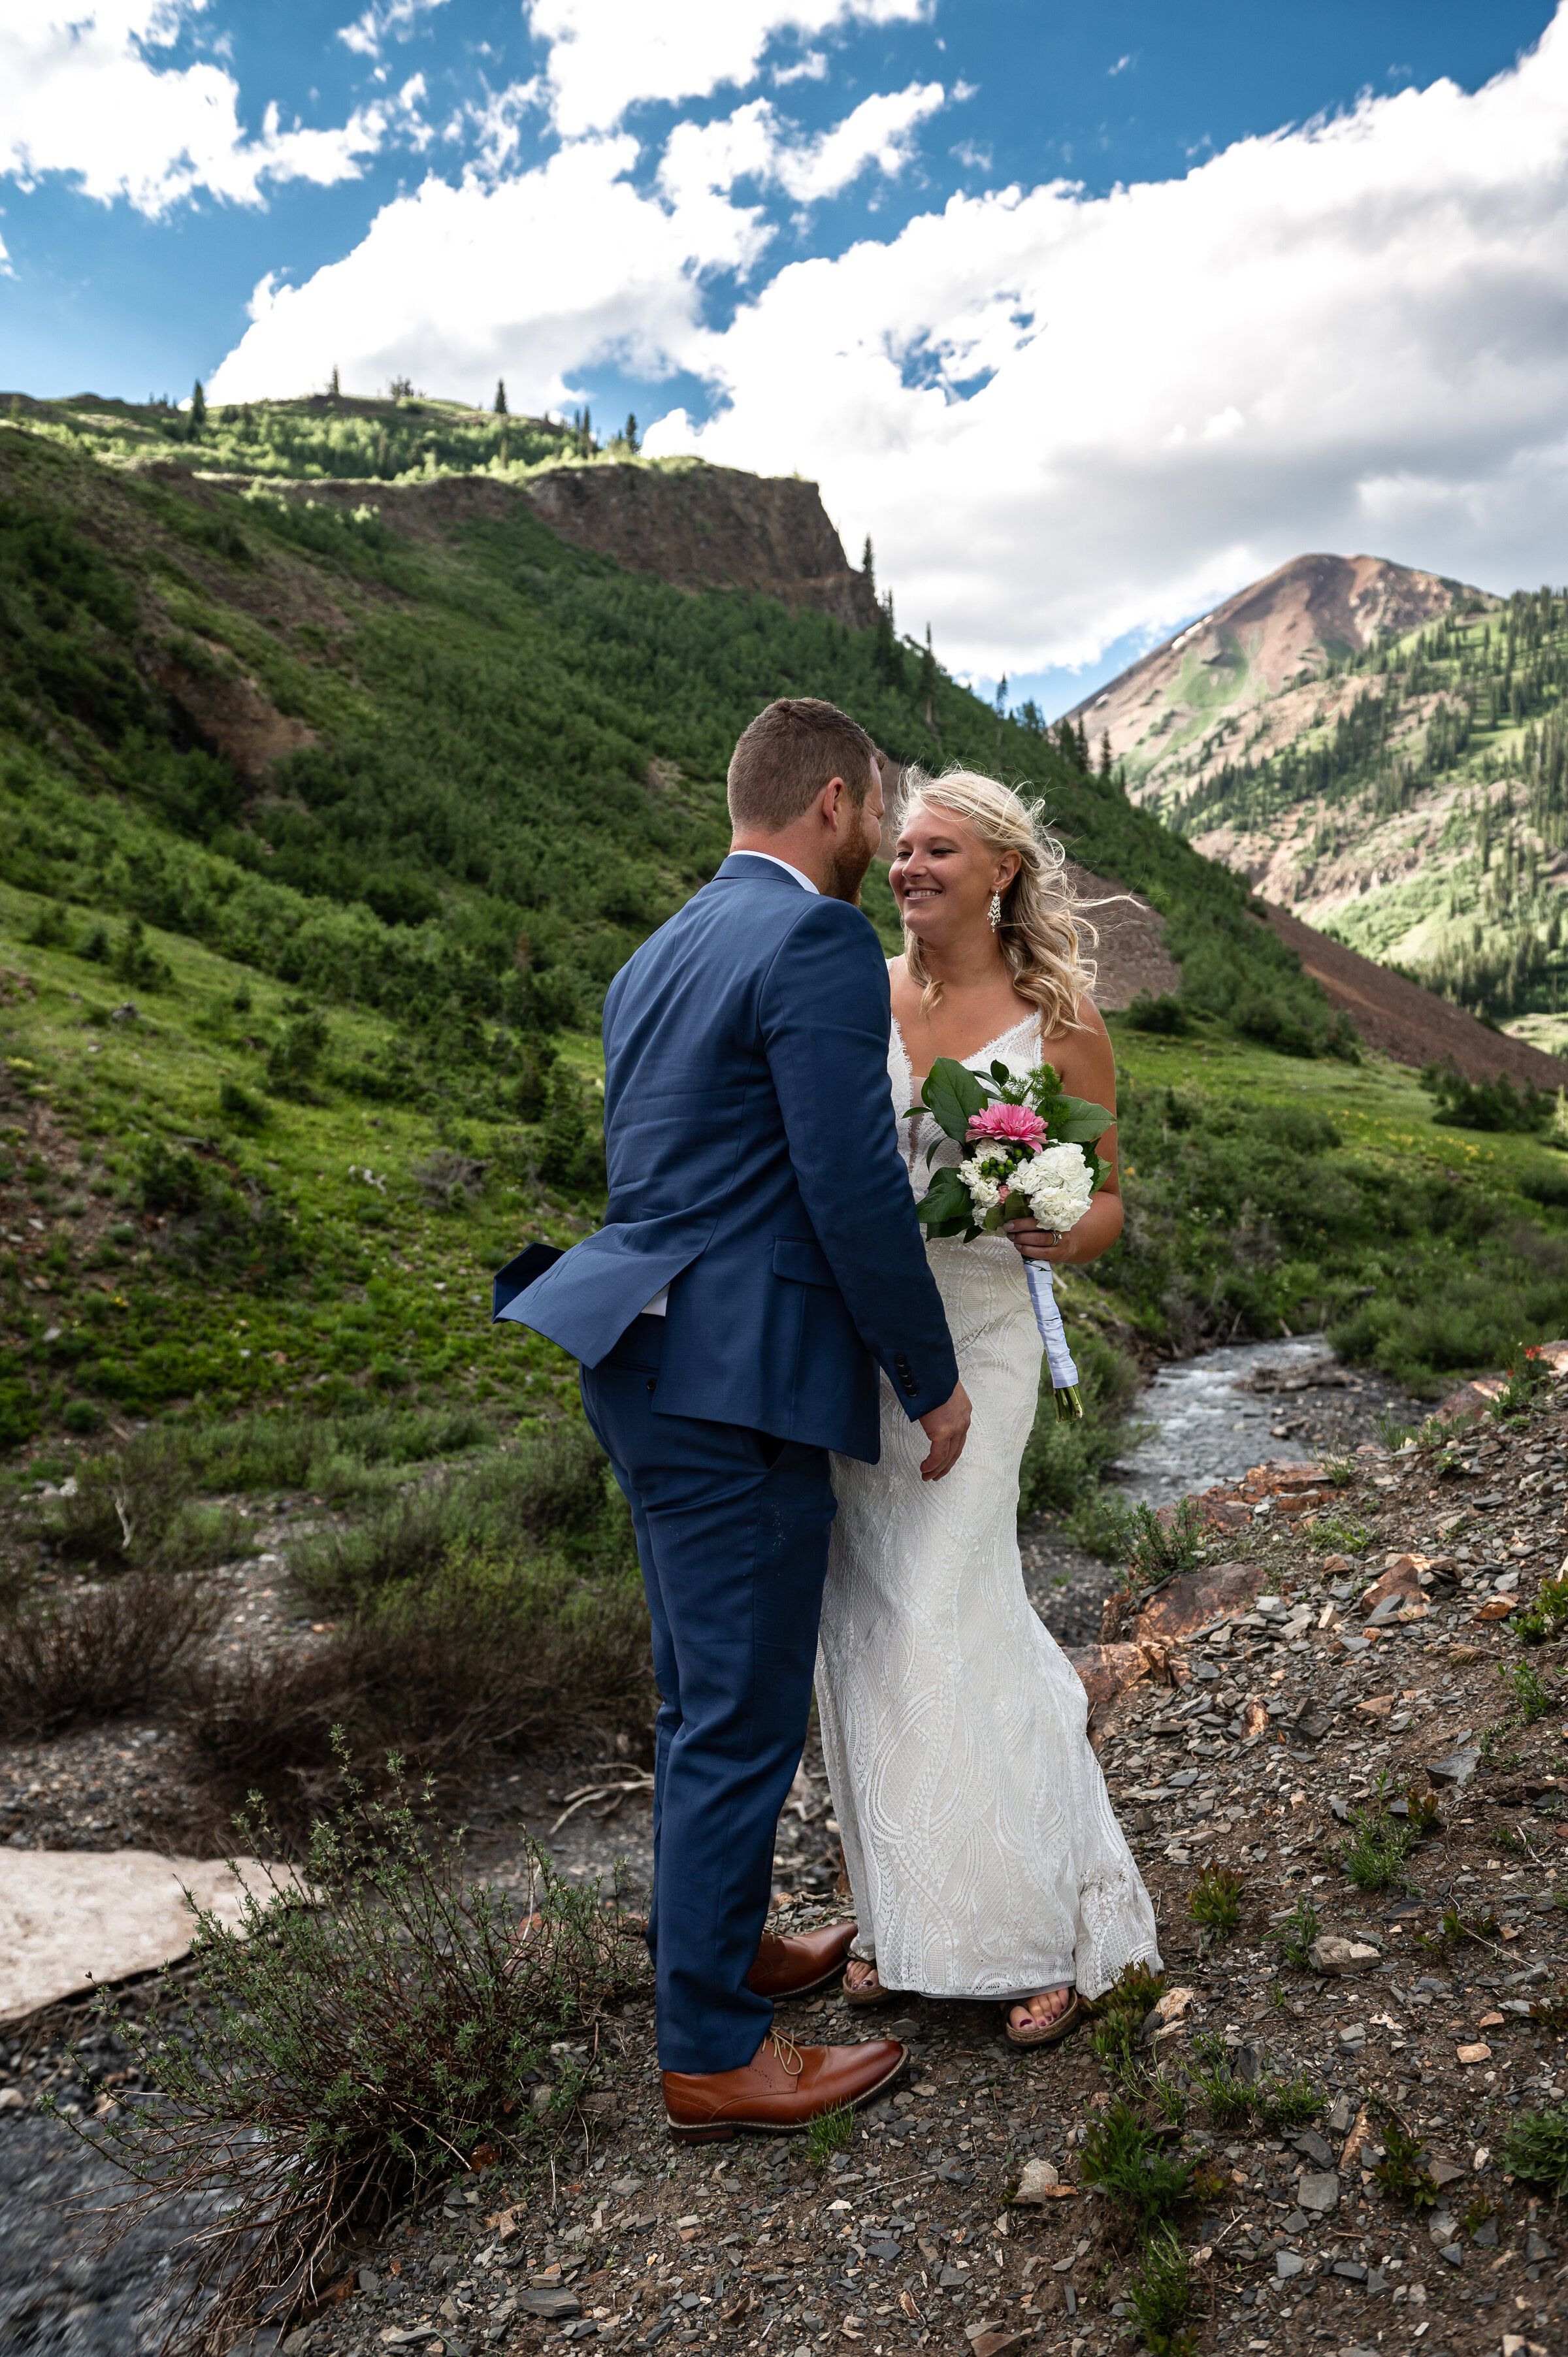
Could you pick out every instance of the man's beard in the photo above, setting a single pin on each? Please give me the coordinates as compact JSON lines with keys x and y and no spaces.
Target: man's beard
{"x":848,"y":872}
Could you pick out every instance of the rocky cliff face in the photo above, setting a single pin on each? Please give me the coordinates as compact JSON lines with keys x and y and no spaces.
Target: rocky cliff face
{"x":708,"y":528}
{"x":698,"y":526}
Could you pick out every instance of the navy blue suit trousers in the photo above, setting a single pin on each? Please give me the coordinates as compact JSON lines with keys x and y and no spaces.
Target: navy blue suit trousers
{"x":731,"y":1530}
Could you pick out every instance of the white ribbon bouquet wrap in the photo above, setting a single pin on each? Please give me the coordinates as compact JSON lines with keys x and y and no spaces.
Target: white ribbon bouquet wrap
{"x":1023,"y":1146}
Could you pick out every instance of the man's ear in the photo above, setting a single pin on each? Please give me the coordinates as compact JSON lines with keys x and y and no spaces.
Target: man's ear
{"x":830,"y":802}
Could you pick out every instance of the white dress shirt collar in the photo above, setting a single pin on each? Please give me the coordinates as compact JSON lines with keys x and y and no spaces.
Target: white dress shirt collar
{"x":804,"y":882}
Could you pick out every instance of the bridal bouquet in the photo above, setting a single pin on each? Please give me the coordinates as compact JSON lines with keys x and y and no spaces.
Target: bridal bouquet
{"x":1022,"y":1146}
{"x":1022,"y":1150}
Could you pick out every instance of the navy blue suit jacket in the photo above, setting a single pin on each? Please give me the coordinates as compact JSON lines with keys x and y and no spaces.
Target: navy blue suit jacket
{"x":753,"y":1169}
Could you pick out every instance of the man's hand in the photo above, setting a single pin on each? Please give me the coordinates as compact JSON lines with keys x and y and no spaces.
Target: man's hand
{"x":947,"y":1429}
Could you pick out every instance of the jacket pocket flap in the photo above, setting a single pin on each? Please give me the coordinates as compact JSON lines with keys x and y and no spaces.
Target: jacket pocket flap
{"x":801,"y":1263}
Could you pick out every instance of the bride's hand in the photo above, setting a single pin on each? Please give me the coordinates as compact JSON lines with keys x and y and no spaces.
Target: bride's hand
{"x":1034,"y":1243}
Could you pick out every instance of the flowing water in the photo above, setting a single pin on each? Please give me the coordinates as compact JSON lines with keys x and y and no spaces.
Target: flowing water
{"x":1247,"y":1403}
{"x":1207,"y":1420}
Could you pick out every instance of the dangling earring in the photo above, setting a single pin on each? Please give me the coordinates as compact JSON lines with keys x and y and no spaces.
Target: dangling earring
{"x":995,"y":910}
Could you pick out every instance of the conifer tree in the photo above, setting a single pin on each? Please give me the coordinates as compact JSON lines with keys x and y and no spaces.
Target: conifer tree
{"x":926,"y":686}
{"x":1082,"y":747}
{"x":889,"y":660}
{"x":334,"y":390}
{"x":629,"y":437}
{"x":197,"y":410}
{"x":870,"y":571}
{"x":500,"y":396}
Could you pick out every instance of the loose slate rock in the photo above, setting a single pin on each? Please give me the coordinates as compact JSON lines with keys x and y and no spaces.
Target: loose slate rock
{"x":1329,"y":1953}
{"x":553,"y":2305}
{"x":1319,"y":2191}
{"x":1456,"y":1769}
{"x":1039,"y":2182}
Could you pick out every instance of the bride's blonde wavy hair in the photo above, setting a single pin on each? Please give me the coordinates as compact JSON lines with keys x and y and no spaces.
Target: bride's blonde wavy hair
{"x":1043,"y":920}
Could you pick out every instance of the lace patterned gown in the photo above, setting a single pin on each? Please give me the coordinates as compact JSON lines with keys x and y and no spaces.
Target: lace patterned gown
{"x":984,"y":1856}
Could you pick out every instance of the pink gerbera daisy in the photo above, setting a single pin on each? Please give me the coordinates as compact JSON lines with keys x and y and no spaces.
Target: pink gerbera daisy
{"x":1007,"y":1124}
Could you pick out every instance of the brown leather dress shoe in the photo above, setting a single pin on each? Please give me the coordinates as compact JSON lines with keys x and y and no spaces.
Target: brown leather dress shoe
{"x":799,"y":1960}
{"x":780,"y":2090}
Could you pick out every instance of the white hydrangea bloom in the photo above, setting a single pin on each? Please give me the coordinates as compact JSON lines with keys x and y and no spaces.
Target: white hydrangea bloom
{"x":1059,"y":1184}
{"x":984,"y":1192}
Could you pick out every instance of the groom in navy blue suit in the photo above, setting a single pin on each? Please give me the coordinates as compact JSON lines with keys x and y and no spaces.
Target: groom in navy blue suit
{"x":759,"y":1273}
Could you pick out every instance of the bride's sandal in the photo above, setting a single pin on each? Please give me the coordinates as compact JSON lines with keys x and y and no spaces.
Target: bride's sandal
{"x":870,"y":1991}
{"x":1043,"y":2033}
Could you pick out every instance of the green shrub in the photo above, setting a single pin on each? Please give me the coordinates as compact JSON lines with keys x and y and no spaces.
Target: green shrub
{"x":83,"y":1657}
{"x":1229,"y":2100}
{"x":346,"y":2056}
{"x":496,"y":1647}
{"x":1546,"y":1615}
{"x":1215,"y":1900}
{"x":555,"y":1492}
{"x":238,"y":1105}
{"x":572,"y":1145}
{"x":1153,"y":1545}
{"x":1492,"y":1104}
{"x":1338,"y":1535}
{"x":1140,"y":2173}
{"x":1296,"y":1938}
{"x":295,"y":1055}
{"x":1402,"y":2171}
{"x":1374,"y":1857}
{"x":1161,"y":2291}
{"x":1163,"y":1014}
{"x":1532,"y":1699}
{"x":1120,"y":2013}
{"x":1285,"y":2104}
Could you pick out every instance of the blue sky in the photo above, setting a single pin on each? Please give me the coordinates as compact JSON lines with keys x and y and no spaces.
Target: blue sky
{"x":833,"y":235}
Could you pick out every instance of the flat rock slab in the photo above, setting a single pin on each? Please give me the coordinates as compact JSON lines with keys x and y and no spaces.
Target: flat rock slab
{"x":554,"y":2305}
{"x":1106,"y":1671}
{"x":1329,"y":1953}
{"x":70,"y":1920}
{"x":1199,"y":1598}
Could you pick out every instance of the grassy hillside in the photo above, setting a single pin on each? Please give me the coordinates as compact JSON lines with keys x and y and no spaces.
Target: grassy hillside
{"x":301,"y":1040}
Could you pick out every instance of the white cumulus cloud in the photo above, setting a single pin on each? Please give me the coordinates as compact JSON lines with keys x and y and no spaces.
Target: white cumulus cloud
{"x":386,"y":20}
{"x":1062,"y":417}
{"x":535,"y":274}
{"x":81,"y":93}
{"x":527,"y":277}
{"x":607,"y":55}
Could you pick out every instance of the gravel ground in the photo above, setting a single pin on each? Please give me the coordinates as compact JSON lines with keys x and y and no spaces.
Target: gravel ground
{"x":908,"y":2239}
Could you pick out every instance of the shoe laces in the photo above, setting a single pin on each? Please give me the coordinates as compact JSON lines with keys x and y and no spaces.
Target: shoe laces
{"x":788,"y":2053}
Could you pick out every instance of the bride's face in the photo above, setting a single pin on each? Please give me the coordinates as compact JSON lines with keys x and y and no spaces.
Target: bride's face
{"x":943,"y":876}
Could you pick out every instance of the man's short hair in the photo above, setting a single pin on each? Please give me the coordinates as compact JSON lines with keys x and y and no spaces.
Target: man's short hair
{"x":789,"y":754}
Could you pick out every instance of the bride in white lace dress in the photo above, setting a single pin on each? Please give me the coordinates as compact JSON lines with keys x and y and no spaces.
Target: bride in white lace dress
{"x":983,"y":1856}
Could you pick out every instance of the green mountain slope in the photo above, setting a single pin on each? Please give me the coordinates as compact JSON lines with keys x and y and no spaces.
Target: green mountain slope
{"x":321,"y":834}
{"x":1383,"y":753}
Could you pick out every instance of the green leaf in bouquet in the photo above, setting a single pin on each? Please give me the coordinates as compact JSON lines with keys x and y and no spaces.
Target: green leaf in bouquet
{"x":952,"y":1094}
{"x":947,"y":1210}
{"x":1075,"y":1122}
